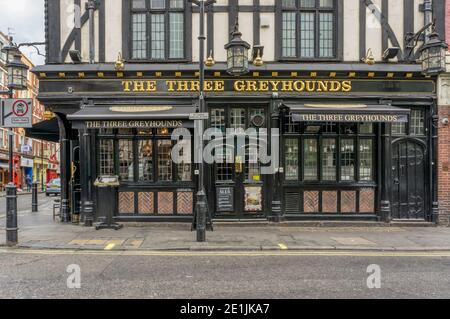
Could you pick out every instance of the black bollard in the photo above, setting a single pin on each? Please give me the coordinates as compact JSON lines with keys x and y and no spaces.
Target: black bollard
{"x":11,"y":215}
{"x":34,"y":199}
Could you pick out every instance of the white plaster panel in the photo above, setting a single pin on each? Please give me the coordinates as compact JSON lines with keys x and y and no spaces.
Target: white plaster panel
{"x":396,"y":14}
{"x":268,"y":37}
{"x":373,"y":32}
{"x":113,"y":29}
{"x":351,"y":30}
{"x":221,"y":36}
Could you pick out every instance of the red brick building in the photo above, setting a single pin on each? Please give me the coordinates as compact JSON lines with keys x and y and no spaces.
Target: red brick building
{"x":444,"y":134}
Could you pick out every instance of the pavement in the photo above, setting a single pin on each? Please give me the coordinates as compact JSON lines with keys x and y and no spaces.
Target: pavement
{"x":39,"y":231}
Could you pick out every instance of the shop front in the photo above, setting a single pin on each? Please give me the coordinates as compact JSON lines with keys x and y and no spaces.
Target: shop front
{"x":339,"y":145}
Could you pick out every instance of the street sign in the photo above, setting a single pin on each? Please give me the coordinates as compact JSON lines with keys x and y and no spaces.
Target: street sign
{"x":17,"y":113}
{"x":198,"y":116}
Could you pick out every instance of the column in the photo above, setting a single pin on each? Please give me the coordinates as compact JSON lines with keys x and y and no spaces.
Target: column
{"x":64,"y":134}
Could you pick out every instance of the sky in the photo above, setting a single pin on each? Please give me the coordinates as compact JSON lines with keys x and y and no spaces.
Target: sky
{"x":25,"y":20}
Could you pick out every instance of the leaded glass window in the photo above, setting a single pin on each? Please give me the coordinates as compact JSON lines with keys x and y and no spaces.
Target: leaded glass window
{"x":164,"y":160}
{"x":106,"y":157}
{"x":157,"y":29}
{"x":347,"y":160}
{"x":126,"y":156}
{"x":366,"y":160}
{"x":417,"y":122}
{"x":145,"y":160}
{"x":291,"y":159}
{"x":310,"y":158}
{"x":329,"y":159}
{"x":308,"y":29}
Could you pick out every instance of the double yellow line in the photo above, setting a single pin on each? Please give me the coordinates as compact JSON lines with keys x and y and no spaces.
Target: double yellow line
{"x":282,"y":253}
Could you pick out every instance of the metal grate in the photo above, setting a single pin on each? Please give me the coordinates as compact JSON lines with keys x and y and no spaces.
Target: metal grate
{"x":292,"y":202}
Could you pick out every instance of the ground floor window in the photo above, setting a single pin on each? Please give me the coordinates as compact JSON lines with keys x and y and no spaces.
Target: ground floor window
{"x":143,"y":156}
{"x":330,"y":152}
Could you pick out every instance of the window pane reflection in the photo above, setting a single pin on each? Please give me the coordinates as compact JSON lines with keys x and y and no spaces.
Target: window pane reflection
{"x":347,"y":160}
{"x":164,"y":161}
{"x":291,"y":155}
{"x":366,"y":160}
{"x":329,"y":159}
{"x":145,"y":161}
{"x":310,"y":153}
{"x":126,"y":160}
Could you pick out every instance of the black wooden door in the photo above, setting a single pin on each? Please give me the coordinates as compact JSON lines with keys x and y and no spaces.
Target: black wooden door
{"x":409,"y":180}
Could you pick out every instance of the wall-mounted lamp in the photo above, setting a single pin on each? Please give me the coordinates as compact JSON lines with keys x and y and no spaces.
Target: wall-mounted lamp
{"x":369,"y":58}
{"x":391,"y":53}
{"x":445,"y":121}
{"x":75,"y":56}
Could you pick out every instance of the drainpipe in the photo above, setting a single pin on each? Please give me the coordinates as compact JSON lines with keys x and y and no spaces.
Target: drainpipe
{"x":91,"y":6}
{"x":428,"y":16}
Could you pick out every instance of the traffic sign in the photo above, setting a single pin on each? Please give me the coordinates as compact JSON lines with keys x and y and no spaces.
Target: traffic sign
{"x":17,"y":113}
{"x":198,"y":116}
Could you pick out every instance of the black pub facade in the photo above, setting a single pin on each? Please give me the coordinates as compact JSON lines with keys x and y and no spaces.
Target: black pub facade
{"x":356,"y":139}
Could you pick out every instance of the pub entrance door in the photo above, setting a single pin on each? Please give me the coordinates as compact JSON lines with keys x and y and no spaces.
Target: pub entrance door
{"x":409,"y":180}
{"x":239,"y":185}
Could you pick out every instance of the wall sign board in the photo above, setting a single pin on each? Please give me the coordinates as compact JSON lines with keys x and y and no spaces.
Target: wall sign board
{"x":17,"y":113}
{"x":225,"y":199}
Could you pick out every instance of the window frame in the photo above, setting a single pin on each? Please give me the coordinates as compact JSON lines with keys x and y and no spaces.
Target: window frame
{"x":300,"y":136}
{"x":338,"y":28}
{"x":115,"y":137}
{"x":166,"y":11}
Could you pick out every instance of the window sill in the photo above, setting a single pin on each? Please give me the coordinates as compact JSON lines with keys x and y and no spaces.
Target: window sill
{"x":318,"y":60}
{"x":165,"y":61}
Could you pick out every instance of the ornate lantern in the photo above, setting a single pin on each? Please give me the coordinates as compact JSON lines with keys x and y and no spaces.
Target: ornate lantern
{"x":237,"y":53}
{"x":433,"y":56}
{"x":17,"y":71}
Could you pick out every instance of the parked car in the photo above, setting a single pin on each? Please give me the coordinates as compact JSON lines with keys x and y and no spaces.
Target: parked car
{"x":53,"y":187}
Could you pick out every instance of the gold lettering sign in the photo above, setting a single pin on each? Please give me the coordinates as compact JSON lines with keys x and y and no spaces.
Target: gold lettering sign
{"x":133,"y":124}
{"x":355,"y":118}
{"x":242,"y":86}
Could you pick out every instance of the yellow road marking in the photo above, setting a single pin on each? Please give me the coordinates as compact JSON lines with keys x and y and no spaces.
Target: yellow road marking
{"x":110,"y":246}
{"x":283,"y":246}
{"x":228,"y":254}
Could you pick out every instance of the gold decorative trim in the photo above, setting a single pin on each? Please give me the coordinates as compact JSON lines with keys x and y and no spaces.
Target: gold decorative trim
{"x":275,"y":74}
{"x":313,"y":74}
{"x":255,"y":74}
{"x":294,"y":74}
{"x":120,"y":74}
{"x":100,"y":74}
{"x":178,"y":74}
{"x":409,"y":75}
{"x":371,"y":74}
{"x":197,"y":74}
{"x":390,"y":74}
{"x":158,"y":74}
{"x":217,"y":74}
{"x":81,"y":74}
{"x":43,"y":75}
{"x":352,"y":74}
{"x":337,"y":106}
{"x":140,"y":109}
{"x":332,"y":74}
{"x":61,"y":74}
{"x":139,"y":74}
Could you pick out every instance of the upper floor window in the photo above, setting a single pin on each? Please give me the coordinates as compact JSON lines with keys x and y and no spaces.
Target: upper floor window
{"x":308,"y":29}
{"x":157,"y":29}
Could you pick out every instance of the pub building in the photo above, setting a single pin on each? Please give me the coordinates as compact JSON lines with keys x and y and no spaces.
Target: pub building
{"x":355,"y":111}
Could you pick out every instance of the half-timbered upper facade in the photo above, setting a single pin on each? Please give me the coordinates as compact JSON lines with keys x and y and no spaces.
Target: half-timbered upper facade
{"x":155,"y":31}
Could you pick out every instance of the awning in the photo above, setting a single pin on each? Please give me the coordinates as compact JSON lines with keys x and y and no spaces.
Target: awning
{"x":150,"y":116}
{"x":45,"y":130}
{"x":352,"y":113}
{"x":4,"y":165}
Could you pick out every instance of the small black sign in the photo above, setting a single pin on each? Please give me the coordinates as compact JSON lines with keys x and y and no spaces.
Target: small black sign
{"x":225,"y":199}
